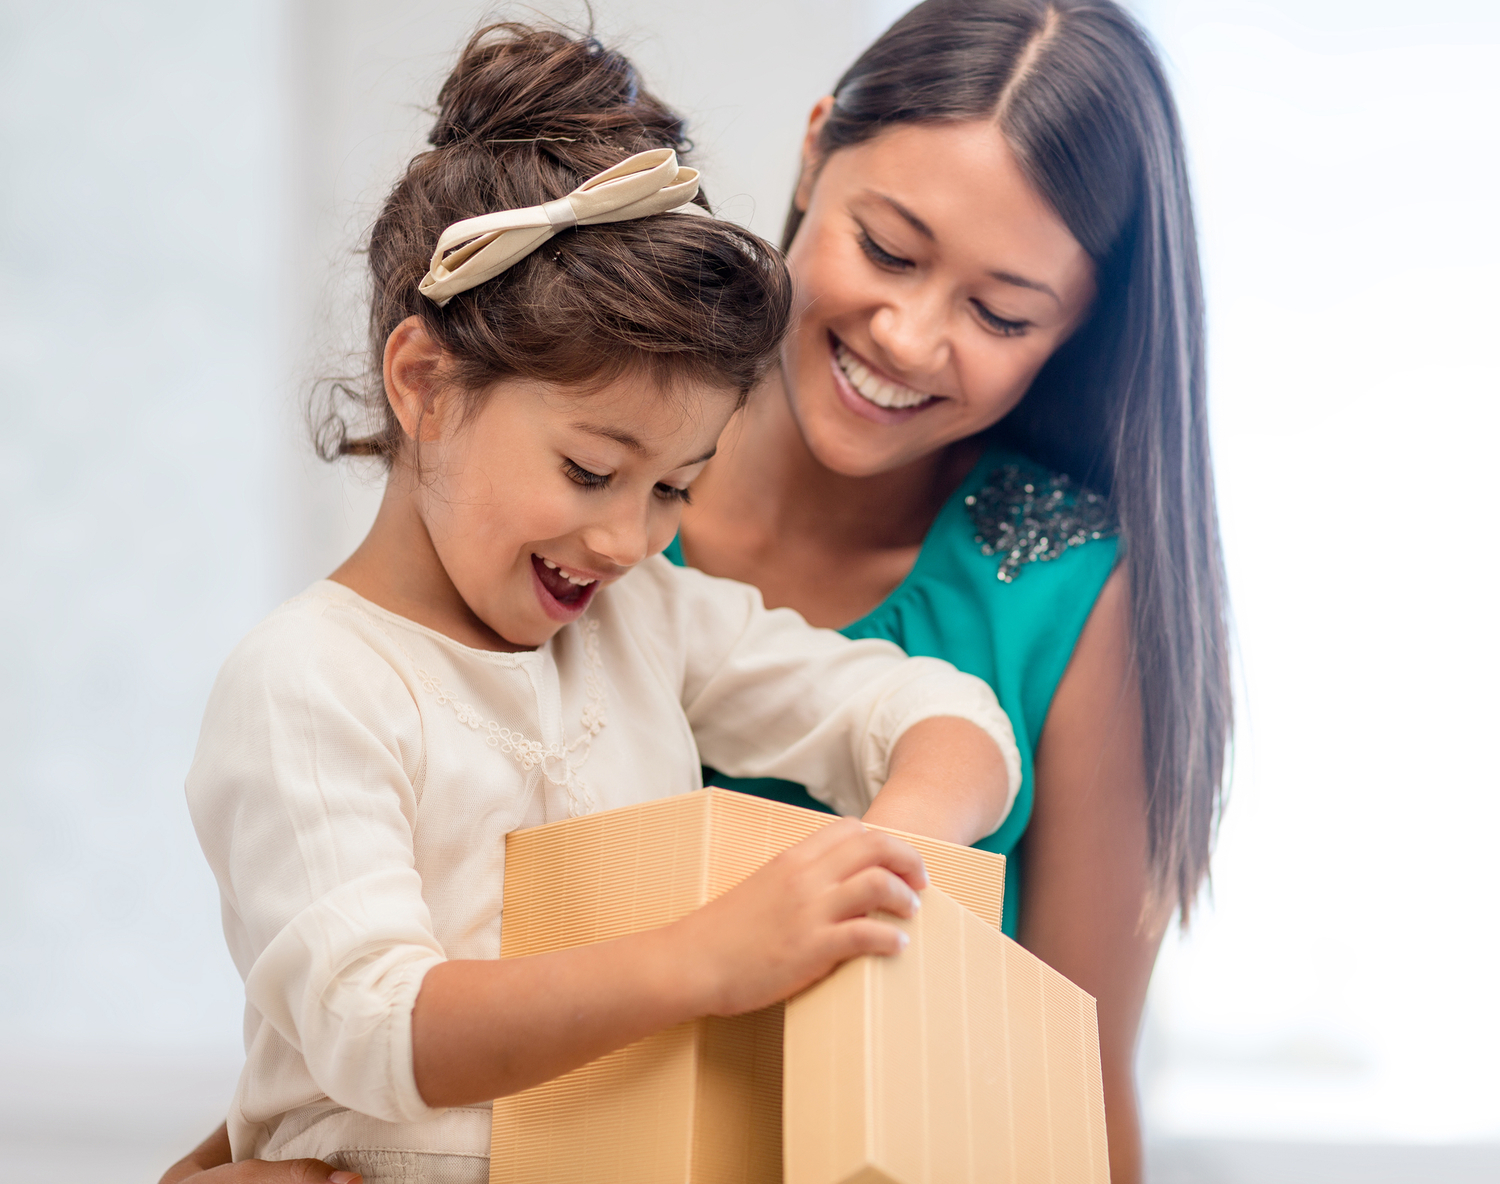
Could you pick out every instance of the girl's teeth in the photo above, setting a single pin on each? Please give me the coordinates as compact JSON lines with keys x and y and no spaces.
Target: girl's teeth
{"x":878,"y":391}
{"x":581,"y":581}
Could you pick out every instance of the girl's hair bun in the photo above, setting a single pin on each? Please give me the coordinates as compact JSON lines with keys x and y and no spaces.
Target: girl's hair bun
{"x":515,"y":83}
{"x":526,"y":117}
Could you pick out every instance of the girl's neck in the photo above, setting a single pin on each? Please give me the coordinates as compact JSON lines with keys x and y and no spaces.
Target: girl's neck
{"x":397,"y":568}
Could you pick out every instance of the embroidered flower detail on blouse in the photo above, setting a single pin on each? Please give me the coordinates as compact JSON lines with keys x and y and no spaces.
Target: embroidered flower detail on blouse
{"x":1027,"y":514}
{"x":559,"y":762}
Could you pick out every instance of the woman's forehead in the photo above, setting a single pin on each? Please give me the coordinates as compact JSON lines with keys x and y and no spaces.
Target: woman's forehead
{"x":960,"y":186}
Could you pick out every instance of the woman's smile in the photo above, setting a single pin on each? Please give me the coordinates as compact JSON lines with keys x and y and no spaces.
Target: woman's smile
{"x":871,"y":392}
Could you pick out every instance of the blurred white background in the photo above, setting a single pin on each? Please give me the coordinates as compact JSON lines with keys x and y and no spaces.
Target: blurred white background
{"x":181,"y":189}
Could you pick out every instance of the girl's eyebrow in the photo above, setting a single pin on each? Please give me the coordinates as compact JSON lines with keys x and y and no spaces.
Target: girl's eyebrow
{"x":618,"y":435}
{"x":621,"y":436}
{"x":1005,"y":277}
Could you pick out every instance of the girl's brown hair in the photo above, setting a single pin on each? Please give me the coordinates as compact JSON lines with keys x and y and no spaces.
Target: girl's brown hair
{"x":525,"y":117}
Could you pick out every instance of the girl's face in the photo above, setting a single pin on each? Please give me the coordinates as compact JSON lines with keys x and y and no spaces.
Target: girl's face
{"x":932,"y":283}
{"x":544,"y":495}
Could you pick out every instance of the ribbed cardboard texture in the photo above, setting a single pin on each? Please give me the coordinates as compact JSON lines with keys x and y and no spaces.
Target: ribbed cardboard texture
{"x":963,"y":1060}
{"x":700,"y":1103}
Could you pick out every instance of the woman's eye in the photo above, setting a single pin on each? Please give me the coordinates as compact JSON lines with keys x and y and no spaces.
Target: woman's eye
{"x":878,"y":255}
{"x":582,"y":476}
{"x":999,"y":324}
{"x":670,"y":493}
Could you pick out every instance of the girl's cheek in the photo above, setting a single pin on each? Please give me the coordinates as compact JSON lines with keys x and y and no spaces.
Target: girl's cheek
{"x":663,"y":527}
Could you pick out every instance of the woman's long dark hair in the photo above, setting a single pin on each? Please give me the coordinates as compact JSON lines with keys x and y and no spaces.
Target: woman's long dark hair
{"x":1078,"y":93}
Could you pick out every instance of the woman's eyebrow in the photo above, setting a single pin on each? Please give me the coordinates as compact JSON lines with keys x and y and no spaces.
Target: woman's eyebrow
{"x":1005,"y":277}
{"x":916,"y":223}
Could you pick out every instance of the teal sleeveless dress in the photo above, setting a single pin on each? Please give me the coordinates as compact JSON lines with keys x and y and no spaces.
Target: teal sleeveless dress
{"x":1001,"y":588}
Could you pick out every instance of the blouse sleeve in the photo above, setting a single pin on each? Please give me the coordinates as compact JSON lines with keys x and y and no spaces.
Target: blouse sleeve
{"x":769,"y":695}
{"x":303,"y":792}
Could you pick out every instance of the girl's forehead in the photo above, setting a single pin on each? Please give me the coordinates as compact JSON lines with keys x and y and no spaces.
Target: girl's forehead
{"x":647,"y":415}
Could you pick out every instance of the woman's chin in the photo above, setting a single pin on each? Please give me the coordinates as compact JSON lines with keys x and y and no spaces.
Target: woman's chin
{"x":853,"y":447}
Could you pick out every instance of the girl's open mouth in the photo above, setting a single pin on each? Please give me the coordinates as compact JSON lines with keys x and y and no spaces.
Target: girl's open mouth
{"x":563,"y":594}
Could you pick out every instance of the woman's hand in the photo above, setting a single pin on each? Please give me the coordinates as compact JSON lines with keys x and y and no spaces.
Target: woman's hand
{"x":801,"y":915}
{"x":483,"y":1029}
{"x":209,"y":1163}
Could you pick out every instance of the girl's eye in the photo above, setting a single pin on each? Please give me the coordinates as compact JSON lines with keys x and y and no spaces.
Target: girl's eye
{"x":878,"y":255}
{"x":582,"y":476}
{"x":670,"y":493}
{"x":999,"y":324}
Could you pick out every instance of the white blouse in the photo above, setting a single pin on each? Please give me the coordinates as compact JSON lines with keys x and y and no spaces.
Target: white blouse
{"x":357,"y":774}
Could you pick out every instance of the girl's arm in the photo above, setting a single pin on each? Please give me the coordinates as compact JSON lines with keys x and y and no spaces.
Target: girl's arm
{"x":768,"y":695}
{"x":1088,"y":908}
{"x":484,"y":1029}
{"x":948,"y":780}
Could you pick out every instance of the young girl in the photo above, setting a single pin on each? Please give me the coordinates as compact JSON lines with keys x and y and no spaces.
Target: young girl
{"x":505,"y":649}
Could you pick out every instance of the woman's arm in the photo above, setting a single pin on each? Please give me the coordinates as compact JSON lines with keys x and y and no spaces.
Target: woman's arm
{"x":208,"y":1163}
{"x":1088,"y":910}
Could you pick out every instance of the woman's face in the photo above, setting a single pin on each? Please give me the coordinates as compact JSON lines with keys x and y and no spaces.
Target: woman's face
{"x":932,"y":284}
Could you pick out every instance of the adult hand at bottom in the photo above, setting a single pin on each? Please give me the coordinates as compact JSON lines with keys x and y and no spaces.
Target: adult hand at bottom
{"x":209,"y":1163}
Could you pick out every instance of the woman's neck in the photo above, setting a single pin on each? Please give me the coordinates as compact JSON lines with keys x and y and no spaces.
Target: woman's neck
{"x":768,"y":512}
{"x":768,"y":478}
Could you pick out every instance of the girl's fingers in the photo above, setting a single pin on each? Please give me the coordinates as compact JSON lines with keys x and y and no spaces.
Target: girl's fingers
{"x":874,"y":890}
{"x":857,"y":850}
{"x":822,"y":841}
{"x":865,"y":935}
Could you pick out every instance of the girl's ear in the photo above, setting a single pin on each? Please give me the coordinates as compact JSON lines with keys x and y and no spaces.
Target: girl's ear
{"x":412,"y":369}
{"x":810,"y":157}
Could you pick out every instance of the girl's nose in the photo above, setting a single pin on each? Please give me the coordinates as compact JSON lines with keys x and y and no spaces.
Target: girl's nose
{"x":913,"y":331}
{"x":622,"y":535}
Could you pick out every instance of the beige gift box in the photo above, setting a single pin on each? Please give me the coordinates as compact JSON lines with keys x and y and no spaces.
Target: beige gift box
{"x":963,"y":1058}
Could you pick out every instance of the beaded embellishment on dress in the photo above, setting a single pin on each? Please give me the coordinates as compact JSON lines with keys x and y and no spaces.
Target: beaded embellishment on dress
{"x":1027,"y":514}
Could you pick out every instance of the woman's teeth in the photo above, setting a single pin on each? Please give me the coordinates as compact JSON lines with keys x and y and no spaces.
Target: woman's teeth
{"x":877,"y":390}
{"x":567,"y":575}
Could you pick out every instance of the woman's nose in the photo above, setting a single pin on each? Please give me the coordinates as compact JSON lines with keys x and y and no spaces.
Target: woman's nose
{"x":913,"y":332}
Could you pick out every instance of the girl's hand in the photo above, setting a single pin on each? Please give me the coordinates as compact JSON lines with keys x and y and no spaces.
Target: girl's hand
{"x":800,"y":916}
{"x":481,"y":1029}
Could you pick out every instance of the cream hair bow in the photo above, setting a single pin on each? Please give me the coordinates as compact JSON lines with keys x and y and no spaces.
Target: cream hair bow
{"x":644,"y":184}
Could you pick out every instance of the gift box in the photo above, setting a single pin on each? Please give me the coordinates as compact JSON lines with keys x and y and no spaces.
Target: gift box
{"x":962,"y":1058}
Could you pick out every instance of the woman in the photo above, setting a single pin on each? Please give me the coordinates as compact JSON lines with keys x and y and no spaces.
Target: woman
{"x":1000,"y":312}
